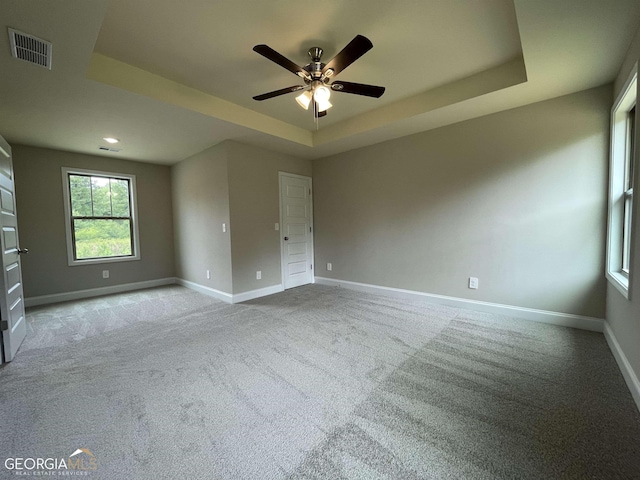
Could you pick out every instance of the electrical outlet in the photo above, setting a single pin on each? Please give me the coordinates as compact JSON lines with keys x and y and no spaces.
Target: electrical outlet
{"x":473,"y":282}
{"x":224,"y":228}
{"x":105,"y":273}
{"x":208,"y":275}
{"x":259,"y":275}
{"x":329,"y":267}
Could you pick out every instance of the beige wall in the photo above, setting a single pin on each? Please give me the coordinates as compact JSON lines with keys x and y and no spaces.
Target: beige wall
{"x":254,"y":196}
{"x":41,"y":222}
{"x":517,"y":199}
{"x":200,"y":207}
{"x":623,"y":315}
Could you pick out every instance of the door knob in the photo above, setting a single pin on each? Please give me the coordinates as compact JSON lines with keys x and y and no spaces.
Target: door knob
{"x":286,"y":238}
{"x":23,"y":251}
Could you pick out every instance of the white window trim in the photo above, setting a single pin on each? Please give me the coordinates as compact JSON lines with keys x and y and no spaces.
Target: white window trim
{"x":66,"y":171}
{"x":615,"y":220}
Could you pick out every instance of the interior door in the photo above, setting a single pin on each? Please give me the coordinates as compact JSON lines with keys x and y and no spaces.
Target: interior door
{"x":12,"y":319}
{"x":297,"y":230}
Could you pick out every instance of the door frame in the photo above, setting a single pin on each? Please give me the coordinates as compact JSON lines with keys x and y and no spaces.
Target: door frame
{"x":313,"y":230}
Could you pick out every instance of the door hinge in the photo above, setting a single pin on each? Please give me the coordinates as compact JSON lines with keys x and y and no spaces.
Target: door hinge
{"x":312,"y":266}
{"x":4,"y":325}
{"x":309,"y":229}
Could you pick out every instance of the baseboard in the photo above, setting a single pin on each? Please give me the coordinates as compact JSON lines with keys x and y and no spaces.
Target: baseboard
{"x":96,"y":292}
{"x":211,"y":292}
{"x":545,"y":316}
{"x":623,"y":364}
{"x":261,"y":292}
{"x":228,"y":297}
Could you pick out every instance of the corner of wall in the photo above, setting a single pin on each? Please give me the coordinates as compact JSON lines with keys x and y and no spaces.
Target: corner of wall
{"x":629,"y":375}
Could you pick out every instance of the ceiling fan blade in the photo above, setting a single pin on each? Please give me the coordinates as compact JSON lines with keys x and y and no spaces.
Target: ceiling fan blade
{"x":358,"y":89}
{"x":277,"y":93}
{"x":349,"y":54}
{"x":281,"y":60}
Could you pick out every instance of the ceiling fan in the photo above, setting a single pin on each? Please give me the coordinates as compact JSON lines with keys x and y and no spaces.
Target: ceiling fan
{"x":318,"y":76}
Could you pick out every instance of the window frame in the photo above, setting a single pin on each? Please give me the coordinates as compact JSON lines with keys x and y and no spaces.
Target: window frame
{"x":133,"y":207}
{"x":628,"y":190}
{"x":622,"y":205}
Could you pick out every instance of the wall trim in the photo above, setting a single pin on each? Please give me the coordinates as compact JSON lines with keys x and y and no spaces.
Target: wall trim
{"x":129,"y":287}
{"x":211,"y":292}
{"x":261,"y":292}
{"x":96,"y":292}
{"x":228,"y":297}
{"x":623,"y":364}
{"x":544,"y":316}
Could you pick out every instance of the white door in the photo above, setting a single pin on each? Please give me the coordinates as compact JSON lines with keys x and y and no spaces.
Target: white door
{"x":297,"y":224}
{"x":12,"y":319}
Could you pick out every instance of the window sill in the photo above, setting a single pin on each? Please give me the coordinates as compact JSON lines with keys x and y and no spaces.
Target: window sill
{"x":94,"y":261}
{"x":620,"y":282}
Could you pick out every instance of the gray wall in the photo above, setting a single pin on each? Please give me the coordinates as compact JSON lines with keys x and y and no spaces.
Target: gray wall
{"x":517,"y":199}
{"x":238,"y":185}
{"x":623,"y":316}
{"x":200,"y":207}
{"x":254,"y":195}
{"x":41,"y":222}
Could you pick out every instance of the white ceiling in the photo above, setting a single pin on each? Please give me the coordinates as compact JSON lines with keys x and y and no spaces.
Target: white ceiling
{"x":173,"y":78}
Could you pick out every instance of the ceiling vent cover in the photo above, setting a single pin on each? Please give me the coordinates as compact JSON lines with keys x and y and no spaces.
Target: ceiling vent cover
{"x":30,"y":49}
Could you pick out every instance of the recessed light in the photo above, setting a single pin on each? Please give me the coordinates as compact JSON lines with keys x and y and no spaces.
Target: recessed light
{"x":111,"y":140}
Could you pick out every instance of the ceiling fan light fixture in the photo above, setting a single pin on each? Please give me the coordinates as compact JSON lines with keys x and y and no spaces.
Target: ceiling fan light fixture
{"x":321,"y":94}
{"x":323,"y":105}
{"x":304,"y":99}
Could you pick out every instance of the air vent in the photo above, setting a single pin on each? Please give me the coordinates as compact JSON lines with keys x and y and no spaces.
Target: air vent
{"x":109,"y":149}
{"x":30,"y":49}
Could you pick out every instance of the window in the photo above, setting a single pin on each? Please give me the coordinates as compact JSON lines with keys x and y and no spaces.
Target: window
{"x":621,"y":175}
{"x":100,"y":216}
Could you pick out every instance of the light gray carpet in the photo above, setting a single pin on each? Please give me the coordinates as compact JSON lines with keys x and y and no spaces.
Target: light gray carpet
{"x":314,"y":383}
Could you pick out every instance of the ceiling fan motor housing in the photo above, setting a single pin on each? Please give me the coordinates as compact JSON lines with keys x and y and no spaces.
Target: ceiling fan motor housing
{"x":315,"y":67}
{"x":315,"y":53}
